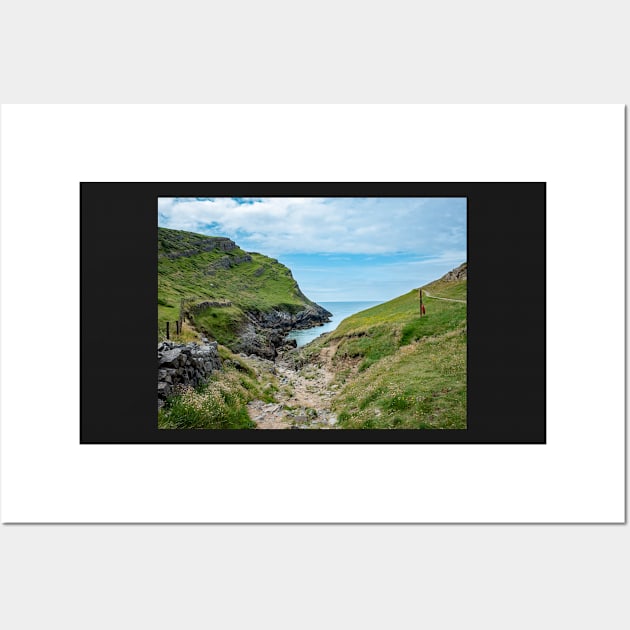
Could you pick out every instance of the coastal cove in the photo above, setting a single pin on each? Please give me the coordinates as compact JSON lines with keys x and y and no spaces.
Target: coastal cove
{"x":339,"y":310}
{"x":241,"y":346}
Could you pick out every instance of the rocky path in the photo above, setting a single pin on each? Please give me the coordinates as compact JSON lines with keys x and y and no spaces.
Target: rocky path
{"x":303,"y":400}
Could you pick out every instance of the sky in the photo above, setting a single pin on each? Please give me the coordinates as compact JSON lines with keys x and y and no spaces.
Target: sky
{"x":339,"y":249}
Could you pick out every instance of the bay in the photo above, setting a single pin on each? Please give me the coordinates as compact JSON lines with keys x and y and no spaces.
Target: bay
{"x":340,"y":311}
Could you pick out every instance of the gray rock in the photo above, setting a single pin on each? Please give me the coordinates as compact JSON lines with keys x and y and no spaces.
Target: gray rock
{"x":169,"y":358}
{"x":165,"y":375}
{"x":459,"y":273}
{"x":163,"y":390}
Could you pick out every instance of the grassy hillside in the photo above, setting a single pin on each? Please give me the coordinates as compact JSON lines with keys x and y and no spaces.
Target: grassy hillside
{"x":396,"y":369}
{"x":222,"y":402}
{"x":198,"y":269}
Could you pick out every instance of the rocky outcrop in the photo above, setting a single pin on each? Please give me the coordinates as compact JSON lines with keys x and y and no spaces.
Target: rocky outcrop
{"x":231,"y":277}
{"x":312,"y":315}
{"x":226,"y":262}
{"x":253,"y":339}
{"x":265,"y":333}
{"x":459,"y":273}
{"x":184,"y":364}
{"x":208,"y":244}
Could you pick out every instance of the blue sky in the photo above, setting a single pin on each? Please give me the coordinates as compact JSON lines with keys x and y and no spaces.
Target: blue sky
{"x":339,"y":249}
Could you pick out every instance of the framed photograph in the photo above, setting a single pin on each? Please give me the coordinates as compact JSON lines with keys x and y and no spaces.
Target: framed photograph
{"x":239,"y":227}
{"x":317,"y":312}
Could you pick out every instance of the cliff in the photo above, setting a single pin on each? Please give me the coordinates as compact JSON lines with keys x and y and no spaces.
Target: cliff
{"x":244,"y":300}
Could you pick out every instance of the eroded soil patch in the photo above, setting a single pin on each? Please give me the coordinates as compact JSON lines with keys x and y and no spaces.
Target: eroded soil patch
{"x":304,"y":398}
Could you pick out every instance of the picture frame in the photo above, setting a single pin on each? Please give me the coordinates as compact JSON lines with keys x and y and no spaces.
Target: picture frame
{"x":506,"y":362}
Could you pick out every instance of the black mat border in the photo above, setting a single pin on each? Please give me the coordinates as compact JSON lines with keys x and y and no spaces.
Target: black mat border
{"x":506,"y":312}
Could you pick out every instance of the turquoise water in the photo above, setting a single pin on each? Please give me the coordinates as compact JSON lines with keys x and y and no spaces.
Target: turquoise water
{"x":340,"y":311}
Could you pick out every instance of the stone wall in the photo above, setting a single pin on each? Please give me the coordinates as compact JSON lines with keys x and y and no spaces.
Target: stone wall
{"x":200,"y":306}
{"x":184,"y":364}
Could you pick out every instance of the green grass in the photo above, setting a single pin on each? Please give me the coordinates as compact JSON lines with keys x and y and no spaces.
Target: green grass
{"x":220,"y":323}
{"x":410,"y":370}
{"x":379,"y":342}
{"x":259,"y":285}
{"x":405,"y":310}
{"x":422,"y":386}
{"x":211,"y":407}
{"x":221,"y":403}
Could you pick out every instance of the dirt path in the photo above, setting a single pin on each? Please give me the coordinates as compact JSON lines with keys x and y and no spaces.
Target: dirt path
{"x":304,"y":398}
{"x":435,"y":297}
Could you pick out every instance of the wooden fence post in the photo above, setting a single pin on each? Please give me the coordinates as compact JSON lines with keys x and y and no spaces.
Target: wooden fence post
{"x":420,"y":297}
{"x":168,"y":334}
{"x":181,"y":314}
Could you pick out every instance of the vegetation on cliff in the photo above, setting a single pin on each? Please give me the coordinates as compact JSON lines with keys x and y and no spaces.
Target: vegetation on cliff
{"x":225,"y":292}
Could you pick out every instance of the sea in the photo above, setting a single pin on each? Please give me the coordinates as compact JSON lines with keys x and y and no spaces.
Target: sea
{"x":340,"y":311}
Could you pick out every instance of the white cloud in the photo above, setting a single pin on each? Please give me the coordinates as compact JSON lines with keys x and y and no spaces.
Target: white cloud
{"x":281,"y":225}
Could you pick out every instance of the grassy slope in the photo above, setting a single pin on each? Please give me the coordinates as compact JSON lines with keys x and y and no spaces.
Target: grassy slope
{"x":260,"y":285}
{"x":411,"y":370}
{"x":222,"y":402}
